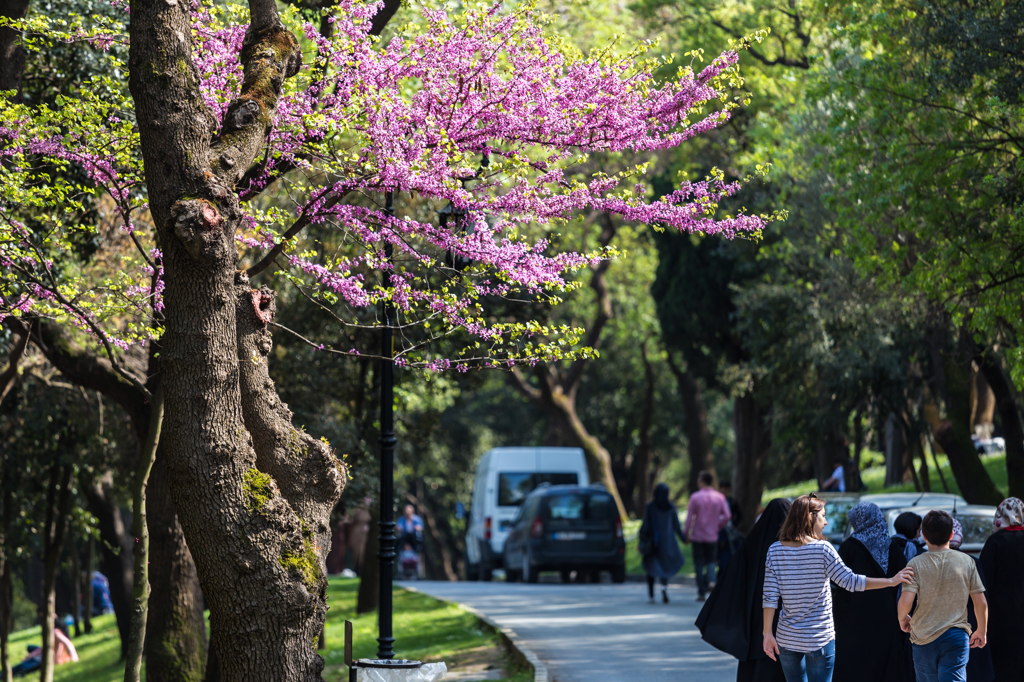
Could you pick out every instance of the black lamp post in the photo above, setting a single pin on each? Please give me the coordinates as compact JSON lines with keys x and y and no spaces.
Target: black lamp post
{"x":387,"y":440}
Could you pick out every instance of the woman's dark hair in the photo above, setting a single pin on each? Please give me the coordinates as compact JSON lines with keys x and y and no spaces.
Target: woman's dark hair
{"x":937,"y":527}
{"x":907,"y":524}
{"x":799,"y":521}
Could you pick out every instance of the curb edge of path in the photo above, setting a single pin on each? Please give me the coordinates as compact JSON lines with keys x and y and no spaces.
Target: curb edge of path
{"x":512,"y":642}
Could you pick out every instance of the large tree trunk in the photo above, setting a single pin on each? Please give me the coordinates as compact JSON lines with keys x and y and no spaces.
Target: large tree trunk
{"x":1009,"y":415}
{"x":86,"y":580}
{"x":12,"y":54}
{"x":753,"y":437}
{"x":253,"y":494}
{"x":115,"y":551}
{"x":697,"y":434}
{"x":641,"y":474}
{"x":895,"y":450}
{"x":954,"y":435}
{"x":6,"y":584}
{"x":176,"y":629}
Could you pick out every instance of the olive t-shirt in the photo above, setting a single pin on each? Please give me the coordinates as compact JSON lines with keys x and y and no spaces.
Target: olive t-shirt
{"x":943,"y":582}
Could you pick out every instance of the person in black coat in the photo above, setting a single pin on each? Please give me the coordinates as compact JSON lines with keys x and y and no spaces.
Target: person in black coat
{"x":869,"y":642}
{"x":979,"y":665}
{"x":661,"y":525}
{"x":731,"y":619}
{"x":1002,"y":564}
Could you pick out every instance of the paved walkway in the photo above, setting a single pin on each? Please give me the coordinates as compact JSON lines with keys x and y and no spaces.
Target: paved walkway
{"x":599,"y":633}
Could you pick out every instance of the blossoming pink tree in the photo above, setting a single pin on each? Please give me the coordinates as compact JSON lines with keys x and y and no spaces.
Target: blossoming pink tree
{"x":483,"y":115}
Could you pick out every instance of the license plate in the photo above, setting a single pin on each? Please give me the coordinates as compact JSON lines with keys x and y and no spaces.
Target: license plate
{"x":566,"y":535}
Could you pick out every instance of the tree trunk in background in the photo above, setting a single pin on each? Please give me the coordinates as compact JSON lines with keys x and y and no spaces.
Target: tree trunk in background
{"x":954,"y":435}
{"x":444,"y":566}
{"x":641,"y":473}
{"x":895,"y":450}
{"x":176,"y":629}
{"x":115,"y":551}
{"x":6,"y":584}
{"x":369,"y":577}
{"x":1009,"y":415}
{"x":86,"y":580}
{"x":58,"y":507}
{"x":983,"y":402}
{"x":697,"y":434}
{"x":76,"y":585}
{"x":753,"y":437}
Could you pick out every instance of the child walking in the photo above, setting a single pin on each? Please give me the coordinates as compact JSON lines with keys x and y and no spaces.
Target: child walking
{"x":942,"y":582}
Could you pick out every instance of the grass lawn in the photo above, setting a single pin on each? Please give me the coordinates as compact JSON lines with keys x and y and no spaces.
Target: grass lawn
{"x":874,"y":478}
{"x":425,"y":629}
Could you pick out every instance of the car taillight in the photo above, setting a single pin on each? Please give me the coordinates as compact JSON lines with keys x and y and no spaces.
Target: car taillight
{"x":537,"y":530}
{"x":618,"y":527}
{"x":487,"y":528}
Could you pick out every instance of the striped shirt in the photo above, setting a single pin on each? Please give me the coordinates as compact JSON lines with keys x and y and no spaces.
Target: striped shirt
{"x":800,"y":576}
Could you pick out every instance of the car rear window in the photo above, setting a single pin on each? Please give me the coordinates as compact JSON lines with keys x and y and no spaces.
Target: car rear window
{"x":514,"y":487}
{"x":976,"y":529}
{"x":579,"y":507}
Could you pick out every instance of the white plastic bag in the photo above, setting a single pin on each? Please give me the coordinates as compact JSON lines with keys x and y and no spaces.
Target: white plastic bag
{"x":428,"y":672}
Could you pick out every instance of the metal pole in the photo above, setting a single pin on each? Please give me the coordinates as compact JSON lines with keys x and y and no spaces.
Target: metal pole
{"x":387,"y":440}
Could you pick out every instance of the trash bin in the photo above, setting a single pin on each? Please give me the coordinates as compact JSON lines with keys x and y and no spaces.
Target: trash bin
{"x":395,"y":670}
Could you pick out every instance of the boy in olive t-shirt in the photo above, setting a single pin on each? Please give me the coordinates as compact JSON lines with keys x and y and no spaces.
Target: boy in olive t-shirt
{"x":942,"y":581}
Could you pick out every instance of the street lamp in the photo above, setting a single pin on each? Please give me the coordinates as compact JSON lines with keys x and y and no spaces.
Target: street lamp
{"x":387,"y":441}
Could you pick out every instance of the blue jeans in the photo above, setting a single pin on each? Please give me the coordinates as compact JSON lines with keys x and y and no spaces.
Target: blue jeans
{"x":810,"y":666}
{"x":944,"y":659}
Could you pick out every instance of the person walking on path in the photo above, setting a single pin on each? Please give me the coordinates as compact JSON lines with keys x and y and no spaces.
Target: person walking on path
{"x":979,"y":663}
{"x":1001,"y":562}
{"x":943,"y":581}
{"x":706,"y":515}
{"x":731,"y":618}
{"x":798,"y":569}
{"x":869,"y":642}
{"x":661,"y":527}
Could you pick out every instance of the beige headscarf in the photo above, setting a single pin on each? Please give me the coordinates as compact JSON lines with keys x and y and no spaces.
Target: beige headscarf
{"x":1010,"y":512}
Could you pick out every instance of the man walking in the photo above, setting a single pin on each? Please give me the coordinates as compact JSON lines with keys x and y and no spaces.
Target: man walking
{"x":943,"y":581}
{"x":706,"y":515}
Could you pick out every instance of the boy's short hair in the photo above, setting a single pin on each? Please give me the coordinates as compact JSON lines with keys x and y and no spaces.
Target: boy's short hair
{"x":706,"y":477}
{"x":907,"y":524}
{"x":937,"y":527}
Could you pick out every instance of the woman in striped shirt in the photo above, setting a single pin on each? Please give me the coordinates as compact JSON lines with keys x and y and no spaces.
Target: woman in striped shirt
{"x":798,"y":570}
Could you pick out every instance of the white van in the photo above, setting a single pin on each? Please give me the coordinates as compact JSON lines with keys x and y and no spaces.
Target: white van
{"x":504,"y":477}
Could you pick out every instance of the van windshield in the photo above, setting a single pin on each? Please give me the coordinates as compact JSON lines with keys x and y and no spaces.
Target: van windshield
{"x":514,"y":487}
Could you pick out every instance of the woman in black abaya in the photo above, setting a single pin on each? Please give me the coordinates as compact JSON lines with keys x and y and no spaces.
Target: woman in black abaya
{"x":869,"y":642}
{"x":731,"y":619}
{"x":1001,"y":562}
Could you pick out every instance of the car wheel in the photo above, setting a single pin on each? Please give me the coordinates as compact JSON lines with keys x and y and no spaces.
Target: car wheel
{"x":594,"y":576}
{"x":566,"y":577}
{"x":619,"y":573}
{"x":529,"y":572}
{"x":486,"y":573}
{"x":472,"y":571}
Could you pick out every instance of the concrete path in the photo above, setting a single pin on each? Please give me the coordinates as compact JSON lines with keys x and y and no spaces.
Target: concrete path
{"x":599,"y":633}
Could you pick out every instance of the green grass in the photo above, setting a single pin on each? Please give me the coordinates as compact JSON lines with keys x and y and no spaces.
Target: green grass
{"x":426,"y":629}
{"x":874,"y":479}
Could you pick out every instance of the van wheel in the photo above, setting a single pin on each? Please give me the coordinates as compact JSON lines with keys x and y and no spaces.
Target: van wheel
{"x":529,"y":572}
{"x":486,"y":573}
{"x":472,"y":571}
{"x":619,"y":573}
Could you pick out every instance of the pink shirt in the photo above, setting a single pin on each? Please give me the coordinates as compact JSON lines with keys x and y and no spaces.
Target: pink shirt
{"x":707,"y":514}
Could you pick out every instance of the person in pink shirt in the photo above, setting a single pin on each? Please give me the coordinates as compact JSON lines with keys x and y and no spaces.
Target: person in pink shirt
{"x":706,"y":515}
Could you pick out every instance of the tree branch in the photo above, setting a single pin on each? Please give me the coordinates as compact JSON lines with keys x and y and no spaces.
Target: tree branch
{"x":604,"y":307}
{"x":524,"y":387}
{"x":10,"y":374}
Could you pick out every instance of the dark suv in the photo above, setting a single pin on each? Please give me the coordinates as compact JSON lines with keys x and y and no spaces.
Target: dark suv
{"x":566,"y":528}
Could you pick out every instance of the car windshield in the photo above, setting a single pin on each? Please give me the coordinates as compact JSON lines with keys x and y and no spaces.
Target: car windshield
{"x":836,"y":514}
{"x":513,"y":487}
{"x":576,"y":506}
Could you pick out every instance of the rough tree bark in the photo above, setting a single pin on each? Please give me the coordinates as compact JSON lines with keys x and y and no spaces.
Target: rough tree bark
{"x":697,"y":434}
{"x":369,"y":574}
{"x":557,"y":387}
{"x":753,"y":436}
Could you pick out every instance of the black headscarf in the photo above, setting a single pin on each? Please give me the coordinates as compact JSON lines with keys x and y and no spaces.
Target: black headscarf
{"x":661,"y":500}
{"x":731,"y":619}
